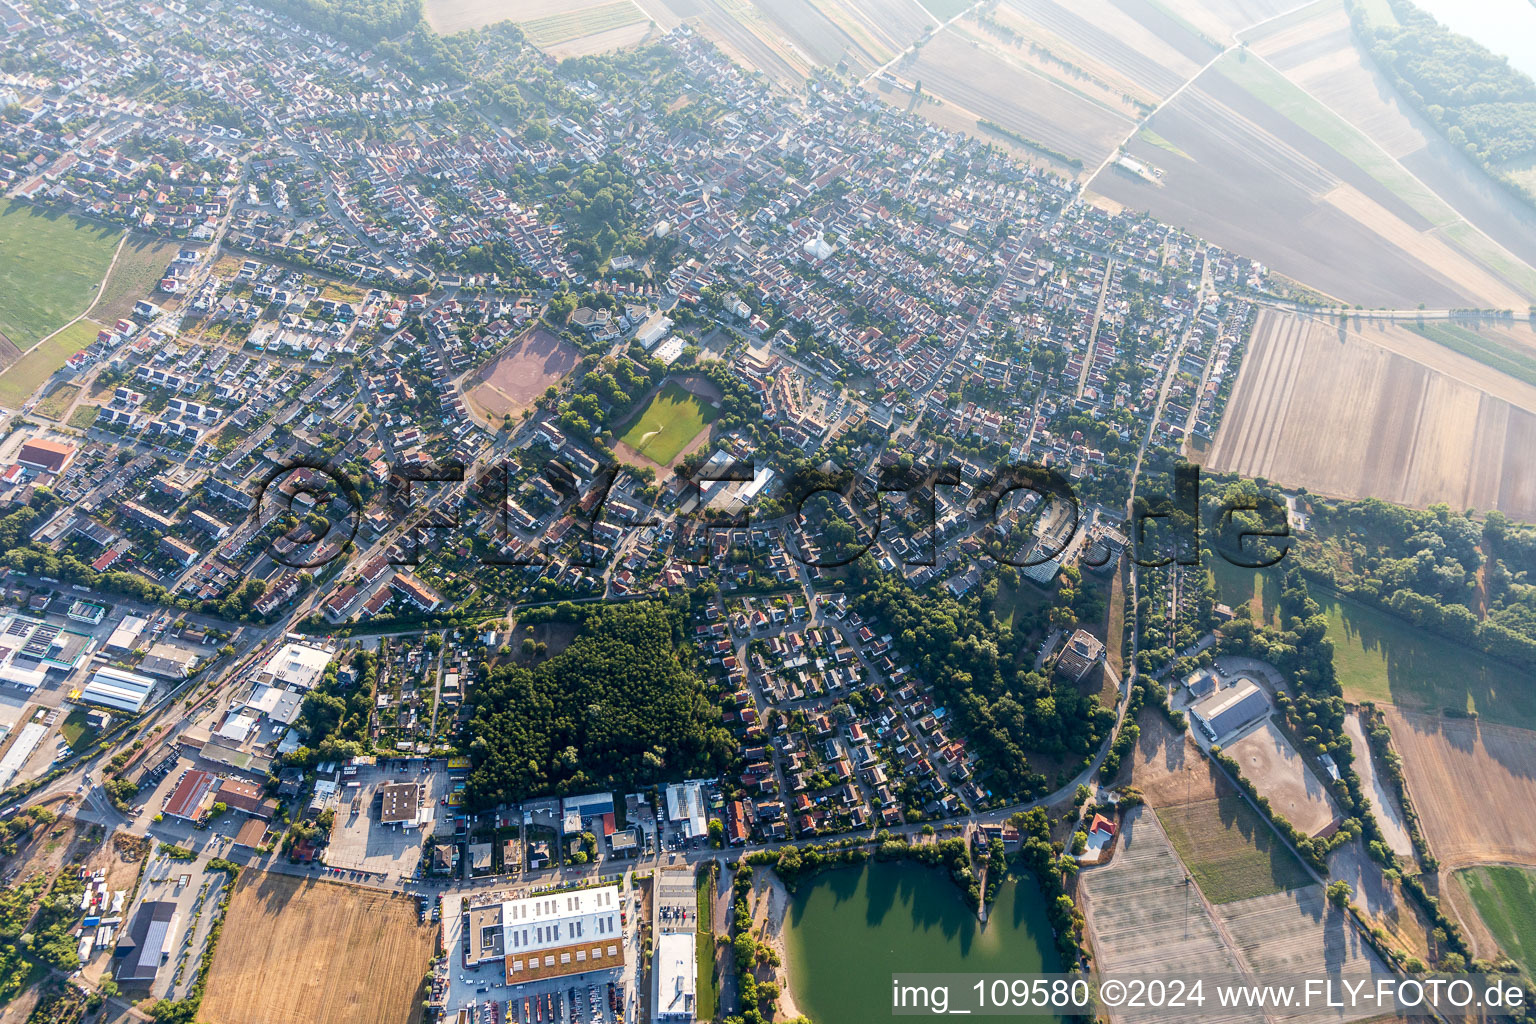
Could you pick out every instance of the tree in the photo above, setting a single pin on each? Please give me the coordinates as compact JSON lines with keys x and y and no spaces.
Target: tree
{"x":1339,"y":894}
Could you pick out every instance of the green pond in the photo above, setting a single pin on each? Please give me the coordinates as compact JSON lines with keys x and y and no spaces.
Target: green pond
{"x":849,"y":930}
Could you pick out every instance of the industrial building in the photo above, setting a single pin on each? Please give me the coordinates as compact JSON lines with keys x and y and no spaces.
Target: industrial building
{"x":1226,"y":711}
{"x":169,"y":661}
{"x":674,"y":997}
{"x":550,"y":935}
{"x":401,"y":805}
{"x":30,"y":647}
{"x":114,"y":688}
{"x":146,"y":943}
{"x":296,"y":666}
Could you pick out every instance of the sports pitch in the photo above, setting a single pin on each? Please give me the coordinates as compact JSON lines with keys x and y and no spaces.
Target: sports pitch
{"x":669,"y":424}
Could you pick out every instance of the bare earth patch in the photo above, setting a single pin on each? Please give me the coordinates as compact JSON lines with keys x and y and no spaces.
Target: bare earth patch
{"x":1270,"y":762}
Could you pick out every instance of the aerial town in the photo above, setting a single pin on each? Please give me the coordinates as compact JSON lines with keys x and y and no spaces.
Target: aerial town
{"x":520,"y":511}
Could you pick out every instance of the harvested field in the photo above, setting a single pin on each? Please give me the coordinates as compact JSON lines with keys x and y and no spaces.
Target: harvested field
{"x":1382,"y":902}
{"x":882,"y":28}
{"x":1465,"y":778}
{"x":1341,"y":215}
{"x":1384,"y":414}
{"x":565,"y":28}
{"x":1104,"y":40}
{"x":1388,"y":814}
{"x":1270,"y":762}
{"x":519,"y":375}
{"x":745,"y":35}
{"x":1231,"y":851}
{"x":571,"y":25}
{"x":1299,"y":932}
{"x":299,"y":951}
{"x":987,"y":83}
{"x":1144,"y":918}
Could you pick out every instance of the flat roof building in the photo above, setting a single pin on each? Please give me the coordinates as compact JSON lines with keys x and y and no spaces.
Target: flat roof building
{"x":126,"y":636}
{"x":298,"y":666}
{"x":556,"y":935}
{"x":169,"y":661}
{"x":402,"y":804}
{"x":674,"y":997}
{"x":114,"y":688}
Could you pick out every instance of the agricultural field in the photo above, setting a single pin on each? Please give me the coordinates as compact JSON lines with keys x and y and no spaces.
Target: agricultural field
{"x":979,"y":79}
{"x":300,"y":951}
{"x":1232,"y":853}
{"x":19,"y":380}
{"x":137,"y":272}
{"x":1299,"y":932}
{"x":1143,"y":917}
{"x":1377,"y":410}
{"x":1494,"y":768}
{"x":51,"y":265}
{"x":1342,"y":214}
{"x":1270,"y":762}
{"x":744,"y":33}
{"x":522,"y":372}
{"x":1505,"y":898}
{"x":545,"y":22}
{"x":670,"y":422}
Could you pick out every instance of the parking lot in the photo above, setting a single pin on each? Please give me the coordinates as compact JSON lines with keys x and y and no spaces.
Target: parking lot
{"x":360,"y":842}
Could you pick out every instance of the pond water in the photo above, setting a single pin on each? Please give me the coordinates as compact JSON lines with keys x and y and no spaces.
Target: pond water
{"x":849,"y":930}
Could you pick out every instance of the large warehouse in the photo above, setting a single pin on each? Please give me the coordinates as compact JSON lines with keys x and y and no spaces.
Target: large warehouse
{"x":552,"y":935}
{"x":1226,"y":711}
{"x":115,"y":688}
{"x":674,"y":998}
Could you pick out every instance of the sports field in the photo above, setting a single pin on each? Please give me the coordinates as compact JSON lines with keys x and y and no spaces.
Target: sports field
{"x":50,"y":267}
{"x":669,"y":423}
{"x":25,"y":376}
{"x":300,"y":951}
{"x":1231,"y":851}
{"x":1505,"y":897}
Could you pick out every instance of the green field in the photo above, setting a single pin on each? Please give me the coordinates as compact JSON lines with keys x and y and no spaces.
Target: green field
{"x":557,"y":28}
{"x":1505,"y":898}
{"x":707,"y":989}
{"x":50,"y":266}
{"x":1382,"y":658}
{"x":136,"y":274}
{"x":672,"y":419}
{"x":1499,"y":353}
{"x":1236,"y":586}
{"x":29,"y":372}
{"x":1231,"y":851}
{"x":75,"y":730}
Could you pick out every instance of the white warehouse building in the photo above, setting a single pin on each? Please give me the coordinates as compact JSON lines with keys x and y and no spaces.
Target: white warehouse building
{"x":674,"y":998}
{"x":114,"y":688}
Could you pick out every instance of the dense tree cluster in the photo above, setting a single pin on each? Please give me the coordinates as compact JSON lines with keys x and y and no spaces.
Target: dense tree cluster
{"x":621,"y":707}
{"x":1474,"y":97}
{"x":1007,"y":710}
